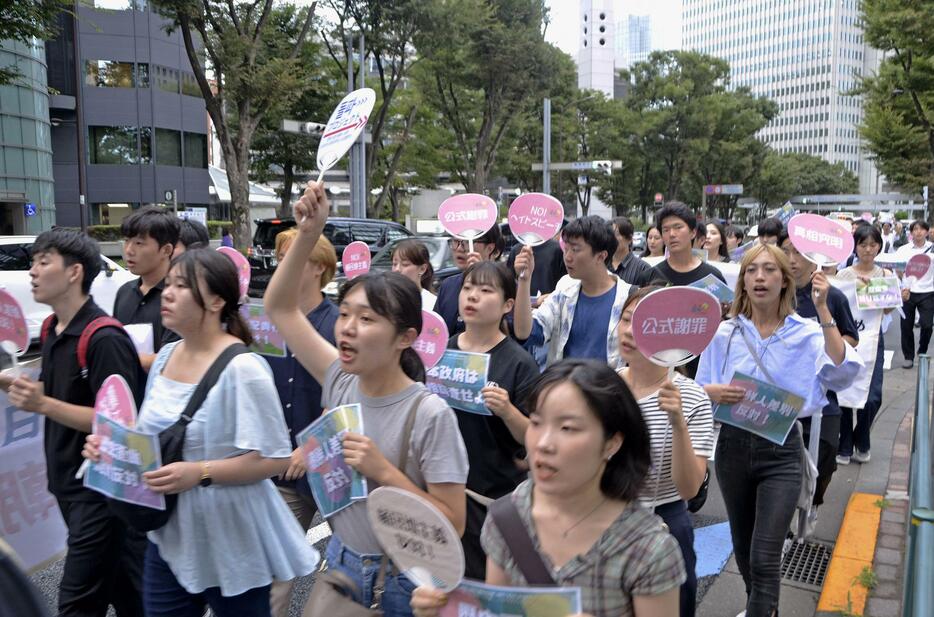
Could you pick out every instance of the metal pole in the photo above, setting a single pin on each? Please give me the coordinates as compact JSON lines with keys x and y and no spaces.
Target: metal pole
{"x":360,"y":146}
{"x":79,"y":127}
{"x":352,"y":162}
{"x":546,"y":148}
{"x":175,"y":202}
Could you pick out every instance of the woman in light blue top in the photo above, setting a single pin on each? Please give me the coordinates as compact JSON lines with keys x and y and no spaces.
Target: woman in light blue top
{"x":230,"y":534}
{"x":760,"y":480}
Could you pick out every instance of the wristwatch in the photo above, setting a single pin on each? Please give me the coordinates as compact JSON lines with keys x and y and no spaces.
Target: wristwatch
{"x":829,"y":324}
{"x":205,"y":474}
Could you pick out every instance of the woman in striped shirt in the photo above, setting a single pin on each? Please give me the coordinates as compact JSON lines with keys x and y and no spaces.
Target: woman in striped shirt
{"x":677,"y":413}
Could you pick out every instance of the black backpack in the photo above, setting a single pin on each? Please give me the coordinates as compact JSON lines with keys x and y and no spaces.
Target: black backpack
{"x":171,"y":443}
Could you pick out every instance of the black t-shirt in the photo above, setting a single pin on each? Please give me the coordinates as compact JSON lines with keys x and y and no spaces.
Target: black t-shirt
{"x":110,"y":352}
{"x":666,"y":274}
{"x":549,"y":266}
{"x":491,"y":449}
{"x":839,"y":308}
{"x":132,"y":307}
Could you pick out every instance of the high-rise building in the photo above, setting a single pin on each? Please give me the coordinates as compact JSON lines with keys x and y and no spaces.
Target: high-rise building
{"x":804,"y":55}
{"x":127,"y":112}
{"x":633,"y":40}
{"x":27,"y":200}
{"x":595,"y":56}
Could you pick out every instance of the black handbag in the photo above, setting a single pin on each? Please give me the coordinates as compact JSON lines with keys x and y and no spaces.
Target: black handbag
{"x":171,"y":443}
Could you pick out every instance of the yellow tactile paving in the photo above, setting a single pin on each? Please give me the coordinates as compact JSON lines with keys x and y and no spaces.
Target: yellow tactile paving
{"x":854,"y":550}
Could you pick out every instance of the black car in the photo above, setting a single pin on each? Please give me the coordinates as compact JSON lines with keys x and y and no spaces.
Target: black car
{"x":439,"y":254}
{"x":340,"y":231}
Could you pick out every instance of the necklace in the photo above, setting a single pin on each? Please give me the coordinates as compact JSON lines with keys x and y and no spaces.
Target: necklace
{"x":583,"y":518}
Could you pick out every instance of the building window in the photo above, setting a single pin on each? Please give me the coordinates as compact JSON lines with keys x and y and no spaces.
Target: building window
{"x":196,"y":150}
{"x":168,"y":147}
{"x":108,"y":74}
{"x":113,"y":145}
{"x":166,"y":79}
{"x":145,"y":145}
{"x":142,"y":75}
{"x":190,"y":85}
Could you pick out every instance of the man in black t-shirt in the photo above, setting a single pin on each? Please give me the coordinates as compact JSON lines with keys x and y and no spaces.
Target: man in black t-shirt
{"x":149,"y":238}
{"x":104,"y":562}
{"x":676,"y":224}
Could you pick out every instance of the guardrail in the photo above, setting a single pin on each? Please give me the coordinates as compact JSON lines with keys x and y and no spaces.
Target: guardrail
{"x":918,"y":600}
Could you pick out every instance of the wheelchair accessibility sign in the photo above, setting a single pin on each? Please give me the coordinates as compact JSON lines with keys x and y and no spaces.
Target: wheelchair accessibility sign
{"x":30,"y":209}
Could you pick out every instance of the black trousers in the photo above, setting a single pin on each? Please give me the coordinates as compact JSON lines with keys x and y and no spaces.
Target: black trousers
{"x":924,"y":303}
{"x":104,"y":564}
{"x":474,"y":557}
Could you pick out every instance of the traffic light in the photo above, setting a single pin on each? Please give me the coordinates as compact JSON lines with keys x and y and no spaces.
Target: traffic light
{"x":604,"y":166}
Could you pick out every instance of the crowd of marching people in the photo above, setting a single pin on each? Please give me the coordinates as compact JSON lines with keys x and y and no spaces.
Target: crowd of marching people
{"x":596,"y":453}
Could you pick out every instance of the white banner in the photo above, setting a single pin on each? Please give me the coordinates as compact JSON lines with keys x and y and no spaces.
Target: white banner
{"x":30,"y":521}
{"x":869,"y":323}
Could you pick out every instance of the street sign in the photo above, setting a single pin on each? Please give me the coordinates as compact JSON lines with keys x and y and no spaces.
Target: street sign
{"x":30,"y":209}
{"x":659,"y":198}
{"x":580,"y":166}
{"x":169,"y":195}
{"x":723,"y":189}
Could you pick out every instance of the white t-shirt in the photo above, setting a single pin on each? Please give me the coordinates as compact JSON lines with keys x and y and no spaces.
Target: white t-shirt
{"x":428,"y":300}
{"x":926,"y":283}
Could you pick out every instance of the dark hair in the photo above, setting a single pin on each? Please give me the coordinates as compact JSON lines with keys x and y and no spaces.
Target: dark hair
{"x":782,"y":236}
{"x":416,"y":253}
{"x":596,"y":233}
{"x":919,"y":223}
{"x":737,"y":233}
{"x":722,"y":252}
{"x":611,"y":401}
{"x":496,"y":274}
{"x":494,"y":236}
{"x":193,"y":235}
{"x":770,"y":227}
{"x":152,"y":222}
{"x":220,"y":276}
{"x":75,"y":248}
{"x":864,"y":232}
{"x":624,"y":226}
{"x":396,"y":298}
{"x":676,"y":209}
{"x":641,"y":292}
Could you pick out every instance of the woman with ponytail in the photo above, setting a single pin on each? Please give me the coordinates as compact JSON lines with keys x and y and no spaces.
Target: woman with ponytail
{"x":374,"y":365}
{"x":231,"y":533}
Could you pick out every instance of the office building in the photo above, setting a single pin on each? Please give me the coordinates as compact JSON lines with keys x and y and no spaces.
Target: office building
{"x":595,"y":55}
{"x":804,"y":55}
{"x":127,"y":111}
{"x":633,"y":40}
{"x":27,"y":200}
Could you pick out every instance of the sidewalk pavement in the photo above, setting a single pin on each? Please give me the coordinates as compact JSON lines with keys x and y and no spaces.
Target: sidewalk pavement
{"x":886,"y":475}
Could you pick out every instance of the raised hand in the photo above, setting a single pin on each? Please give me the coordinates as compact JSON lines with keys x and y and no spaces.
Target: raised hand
{"x":311,"y":211}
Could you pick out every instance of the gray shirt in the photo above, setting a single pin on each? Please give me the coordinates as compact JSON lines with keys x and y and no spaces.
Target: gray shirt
{"x":436,"y":452}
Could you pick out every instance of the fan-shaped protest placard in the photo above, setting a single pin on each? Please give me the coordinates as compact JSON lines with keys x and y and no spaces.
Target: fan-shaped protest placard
{"x":346,"y":123}
{"x":672,"y":326}
{"x":918,"y":266}
{"x":355,"y":260}
{"x":13,"y":322}
{"x":433,"y":339}
{"x":467,"y":216}
{"x":820,"y":240}
{"x":535,"y":218}
{"x":242,"y":265}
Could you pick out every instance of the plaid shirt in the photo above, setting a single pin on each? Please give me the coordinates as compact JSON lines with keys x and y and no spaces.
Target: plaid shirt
{"x":635,"y":556}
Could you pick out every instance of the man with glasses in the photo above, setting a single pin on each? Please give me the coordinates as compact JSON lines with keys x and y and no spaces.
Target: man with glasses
{"x":487,"y":247}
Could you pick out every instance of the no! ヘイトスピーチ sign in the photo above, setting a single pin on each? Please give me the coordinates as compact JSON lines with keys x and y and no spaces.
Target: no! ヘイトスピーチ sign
{"x":355,"y":260}
{"x":674,"y":325}
{"x":13,"y":322}
{"x":433,"y":339}
{"x":467,"y":216}
{"x":534,"y":218}
{"x":820,"y":240}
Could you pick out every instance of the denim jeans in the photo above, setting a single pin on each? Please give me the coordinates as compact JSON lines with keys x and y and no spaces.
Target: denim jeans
{"x":760,"y":482}
{"x":363,"y":570}
{"x":859,"y":436}
{"x":163,"y":596}
{"x":675,"y":515}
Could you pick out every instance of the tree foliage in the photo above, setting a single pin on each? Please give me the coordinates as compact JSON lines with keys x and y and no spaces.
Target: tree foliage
{"x":785,"y":175}
{"x":25,"y":20}
{"x":898,"y":125}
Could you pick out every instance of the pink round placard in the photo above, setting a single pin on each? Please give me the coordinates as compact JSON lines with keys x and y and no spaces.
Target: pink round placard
{"x":467,"y":216}
{"x":355,"y":260}
{"x":243,"y":267}
{"x":918,"y":266}
{"x":433,"y":340}
{"x":13,"y":322}
{"x":561,"y":244}
{"x":534,"y":218}
{"x":820,"y":240}
{"x":672,"y":326}
{"x":115,"y":400}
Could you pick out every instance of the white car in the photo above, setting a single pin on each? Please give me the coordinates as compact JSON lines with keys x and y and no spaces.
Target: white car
{"x":15,"y":261}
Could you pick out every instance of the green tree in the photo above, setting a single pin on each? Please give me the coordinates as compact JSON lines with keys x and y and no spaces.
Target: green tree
{"x":24,"y":20}
{"x":251,"y":51}
{"x":898,"y":123}
{"x":783,"y":176}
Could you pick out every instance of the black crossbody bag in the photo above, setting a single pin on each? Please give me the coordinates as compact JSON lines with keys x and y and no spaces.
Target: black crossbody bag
{"x":171,"y":444}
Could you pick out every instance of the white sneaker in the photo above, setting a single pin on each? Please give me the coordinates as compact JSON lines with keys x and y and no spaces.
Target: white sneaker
{"x":843,"y":460}
{"x":861,"y":457}
{"x":743,"y":614}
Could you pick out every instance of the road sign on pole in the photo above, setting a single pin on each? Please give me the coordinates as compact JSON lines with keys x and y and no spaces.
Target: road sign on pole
{"x":659,"y":198}
{"x":723,"y":189}
{"x":580,"y":166}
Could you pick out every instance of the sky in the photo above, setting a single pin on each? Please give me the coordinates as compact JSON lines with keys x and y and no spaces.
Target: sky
{"x":564,"y":29}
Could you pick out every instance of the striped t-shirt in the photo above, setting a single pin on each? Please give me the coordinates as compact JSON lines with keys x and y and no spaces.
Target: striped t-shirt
{"x":695,"y":406}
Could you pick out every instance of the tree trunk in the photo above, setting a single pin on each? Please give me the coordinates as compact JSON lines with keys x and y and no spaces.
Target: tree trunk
{"x":285,"y":194}
{"x":238,"y":179}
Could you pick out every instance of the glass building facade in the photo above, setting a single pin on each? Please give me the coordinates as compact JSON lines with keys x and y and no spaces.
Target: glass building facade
{"x":27,"y":193}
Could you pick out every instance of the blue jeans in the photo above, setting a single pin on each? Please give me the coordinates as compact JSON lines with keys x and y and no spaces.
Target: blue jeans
{"x":675,"y":515}
{"x":859,"y":436}
{"x":363,"y":570}
{"x":760,"y":482}
{"x":163,"y":596}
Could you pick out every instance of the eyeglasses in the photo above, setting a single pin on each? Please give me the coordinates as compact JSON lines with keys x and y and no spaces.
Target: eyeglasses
{"x":456,"y":243}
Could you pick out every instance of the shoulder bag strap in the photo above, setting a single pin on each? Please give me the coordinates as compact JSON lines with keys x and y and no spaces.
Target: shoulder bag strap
{"x":210,"y":378}
{"x":752,"y":352}
{"x":518,"y":541}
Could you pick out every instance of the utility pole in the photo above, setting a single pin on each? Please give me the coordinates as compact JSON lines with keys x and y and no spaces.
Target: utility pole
{"x":546,"y":148}
{"x":356,"y":171}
